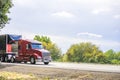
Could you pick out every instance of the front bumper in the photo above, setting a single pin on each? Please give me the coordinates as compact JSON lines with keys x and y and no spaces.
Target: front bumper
{"x":39,"y":60}
{"x":44,"y":59}
{"x":47,"y":59}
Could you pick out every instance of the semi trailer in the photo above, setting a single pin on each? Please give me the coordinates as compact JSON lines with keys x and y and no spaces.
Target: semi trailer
{"x":15,"y":49}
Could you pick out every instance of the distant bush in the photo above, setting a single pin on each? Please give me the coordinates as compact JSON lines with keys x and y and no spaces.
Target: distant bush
{"x":112,"y":57}
{"x":84,"y":52}
{"x":115,"y":61}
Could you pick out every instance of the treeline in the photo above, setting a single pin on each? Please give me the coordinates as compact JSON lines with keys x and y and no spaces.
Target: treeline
{"x":90,"y":53}
{"x":81,"y":52}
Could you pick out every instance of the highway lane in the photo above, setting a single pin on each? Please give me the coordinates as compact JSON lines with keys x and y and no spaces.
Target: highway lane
{"x":77,"y":66}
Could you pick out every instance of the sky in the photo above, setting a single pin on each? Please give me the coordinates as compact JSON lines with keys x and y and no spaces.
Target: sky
{"x":67,"y":22}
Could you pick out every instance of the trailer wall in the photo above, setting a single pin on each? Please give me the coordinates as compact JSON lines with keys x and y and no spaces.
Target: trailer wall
{"x":2,"y":44}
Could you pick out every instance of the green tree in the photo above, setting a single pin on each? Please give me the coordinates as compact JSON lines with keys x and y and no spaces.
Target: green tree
{"x":116,"y":59}
{"x":65,"y":58}
{"x":117,"y":56}
{"x":5,"y":5}
{"x":84,"y":52}
{"x":52,"y":47}
{"x":42,"y":39}
{"x":110,"y":55}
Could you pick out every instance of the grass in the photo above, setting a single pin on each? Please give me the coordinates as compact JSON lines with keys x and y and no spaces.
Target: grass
{"x":16,"y":76}
{"x":42,"y":73}
{"x":4,"y":75}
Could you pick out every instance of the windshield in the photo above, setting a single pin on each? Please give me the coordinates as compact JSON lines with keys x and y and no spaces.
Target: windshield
{"x":36,"y":46}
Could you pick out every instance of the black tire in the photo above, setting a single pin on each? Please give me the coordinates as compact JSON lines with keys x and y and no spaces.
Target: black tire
{"x":6,"y":59}
{"x":12,"y":60}
{"x":2,"y":59}
{"x":46,"y":63}
{"x":32,"y":60}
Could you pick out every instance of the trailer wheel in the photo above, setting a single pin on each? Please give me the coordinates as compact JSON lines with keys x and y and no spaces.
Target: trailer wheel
{"x":2,"y":59}
{"x":46,"y":63}
{"x":32,"y":60}
{"x":12,"y":60}
{"x":6,"y":58}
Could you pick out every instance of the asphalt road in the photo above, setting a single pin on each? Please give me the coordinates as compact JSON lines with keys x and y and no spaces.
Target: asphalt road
{"x":77,"y":66}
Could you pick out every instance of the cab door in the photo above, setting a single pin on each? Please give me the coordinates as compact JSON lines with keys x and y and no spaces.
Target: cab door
{"x":28,"y":51}
{"x":20,"y":55}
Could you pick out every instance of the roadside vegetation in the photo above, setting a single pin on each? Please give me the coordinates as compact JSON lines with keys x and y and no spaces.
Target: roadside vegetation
{"x":90,"y":53}
{"x":81,"y":52}
{"x":16,"y":76}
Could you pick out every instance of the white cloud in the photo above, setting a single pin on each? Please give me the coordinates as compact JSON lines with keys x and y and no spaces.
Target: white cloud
{"x":101,"y":11}
{"x":89,"y":35}
{"x":116,"y":16}
{"x":63,"y":14}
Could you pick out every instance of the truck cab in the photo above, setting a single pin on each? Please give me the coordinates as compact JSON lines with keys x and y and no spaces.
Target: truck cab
{"x":33,"y":51}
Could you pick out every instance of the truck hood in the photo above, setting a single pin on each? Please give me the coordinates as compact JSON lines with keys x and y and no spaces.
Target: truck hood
{"x":43,"y":50}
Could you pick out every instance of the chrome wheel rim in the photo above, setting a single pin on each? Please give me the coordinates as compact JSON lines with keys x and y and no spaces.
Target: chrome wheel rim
{"x":32,"y":60}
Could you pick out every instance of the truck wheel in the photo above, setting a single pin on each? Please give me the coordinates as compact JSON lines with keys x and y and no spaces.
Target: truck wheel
{"x":12,"y":60}
{"x":46,"y":63}
{"x":2,"y":59}
{"x":32,"y":60}
{"x":6,"y":58}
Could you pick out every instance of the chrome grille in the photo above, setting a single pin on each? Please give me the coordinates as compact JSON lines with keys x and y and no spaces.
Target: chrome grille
{"x":44,"y":54}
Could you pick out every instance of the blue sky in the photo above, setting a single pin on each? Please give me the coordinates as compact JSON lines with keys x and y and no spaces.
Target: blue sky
{"x":68,"y":21}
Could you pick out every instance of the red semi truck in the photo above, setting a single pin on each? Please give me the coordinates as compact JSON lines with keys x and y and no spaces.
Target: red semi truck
{"x":14,"y":49}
